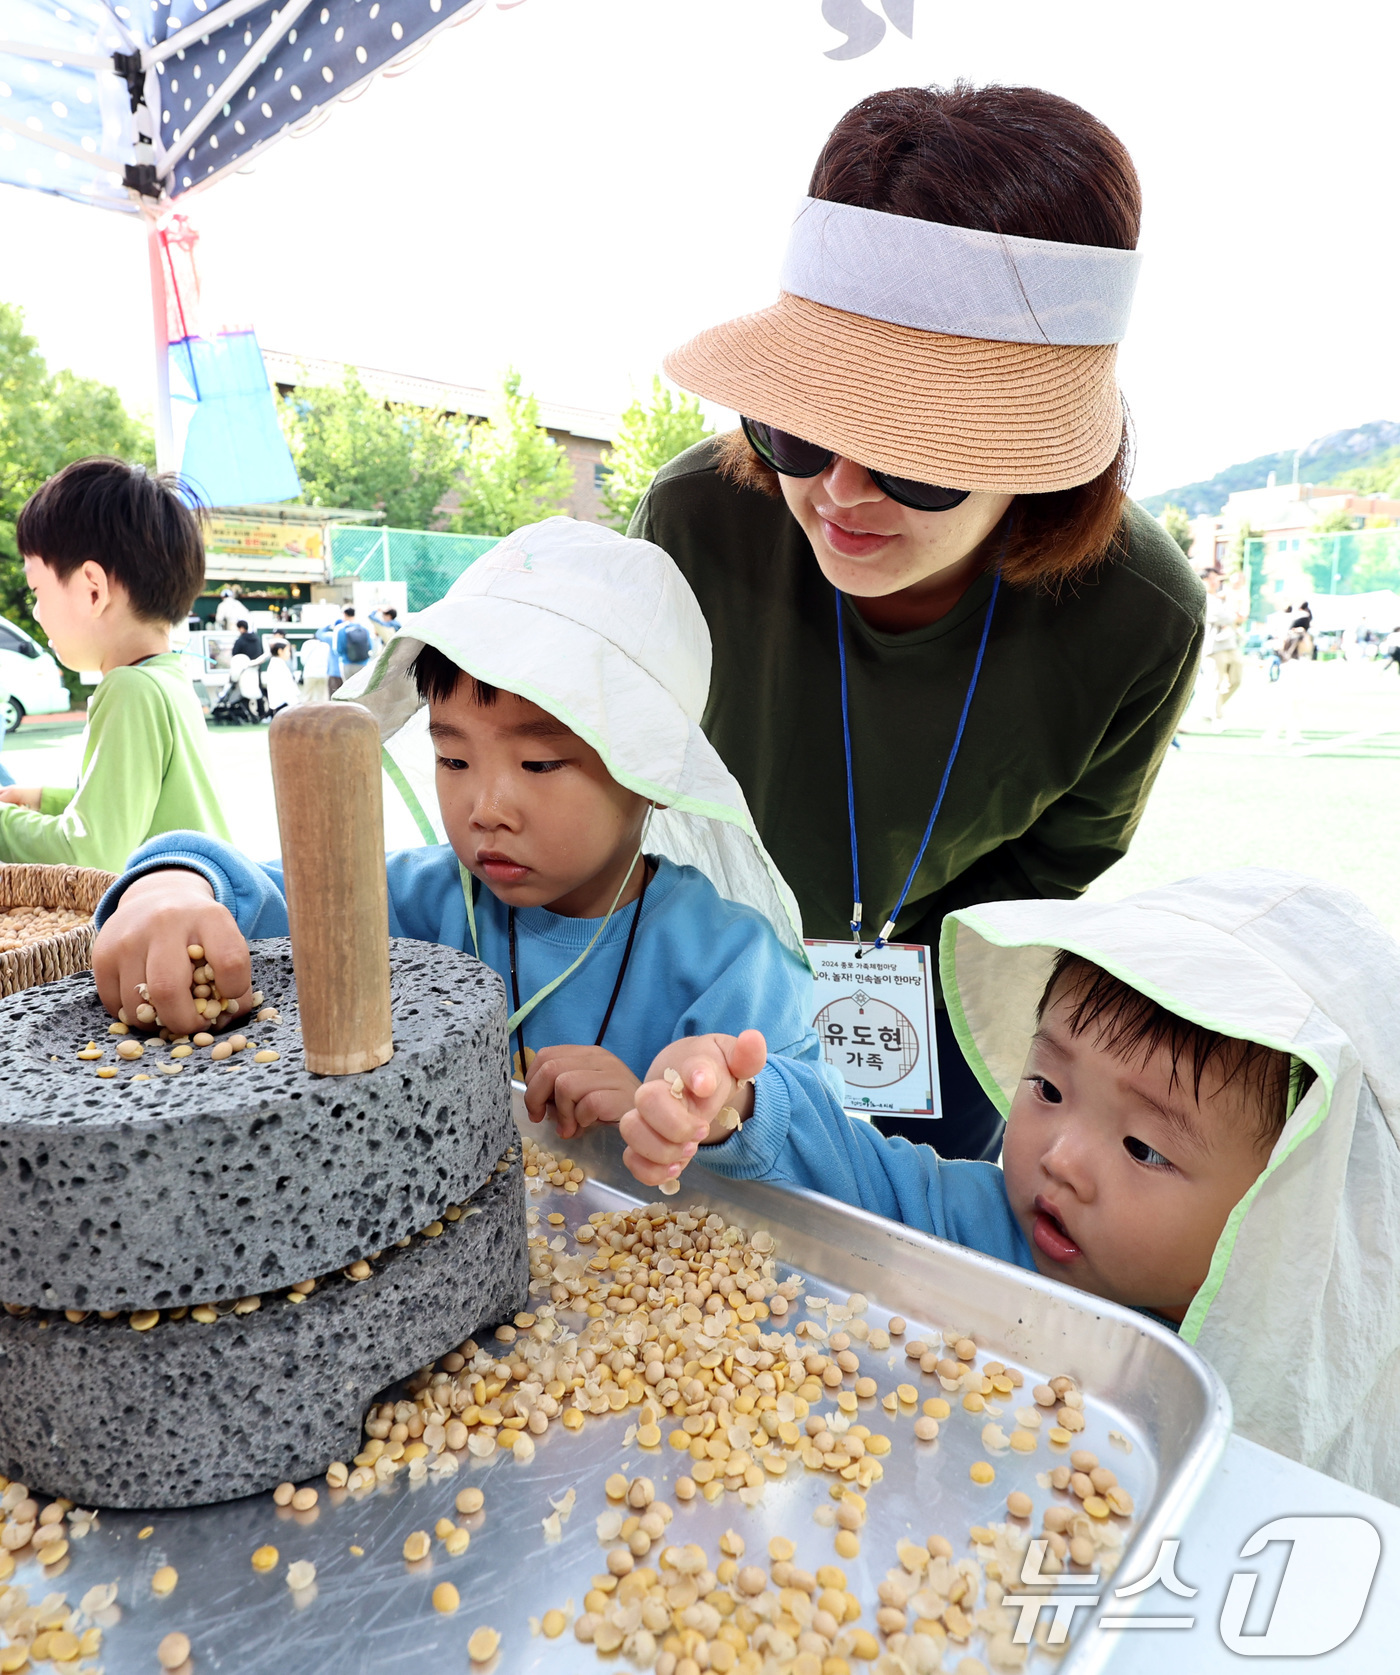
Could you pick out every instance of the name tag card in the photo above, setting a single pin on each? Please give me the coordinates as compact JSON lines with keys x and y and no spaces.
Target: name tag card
{"x":874,"y":1019}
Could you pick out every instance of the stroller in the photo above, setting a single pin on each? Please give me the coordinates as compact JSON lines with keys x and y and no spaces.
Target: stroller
{"x":242,"y":702}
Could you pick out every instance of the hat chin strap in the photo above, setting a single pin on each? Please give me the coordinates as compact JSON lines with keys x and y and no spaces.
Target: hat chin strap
{"x":957,"y":280}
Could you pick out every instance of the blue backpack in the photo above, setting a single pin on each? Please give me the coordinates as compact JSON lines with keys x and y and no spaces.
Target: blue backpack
{"x":356,"y":643}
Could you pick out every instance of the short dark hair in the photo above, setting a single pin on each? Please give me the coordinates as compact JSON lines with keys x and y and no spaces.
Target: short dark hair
{"x":141,"y":528}
{"x":349,"y":610}
{"x":390,"y":611}
{"x":241,"y":623}
{"x":1012,"y":160}
{"x":1132,"y":1026}
{"x":436,"y":676}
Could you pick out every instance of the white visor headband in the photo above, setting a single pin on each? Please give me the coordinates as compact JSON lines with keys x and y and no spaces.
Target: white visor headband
{"x":956,"y":280}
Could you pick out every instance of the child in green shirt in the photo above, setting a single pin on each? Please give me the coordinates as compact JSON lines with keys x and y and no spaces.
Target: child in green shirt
{"x":115,"y":558}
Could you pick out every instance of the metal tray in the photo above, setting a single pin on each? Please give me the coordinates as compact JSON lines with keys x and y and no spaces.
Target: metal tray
{"x":372,"y":1613}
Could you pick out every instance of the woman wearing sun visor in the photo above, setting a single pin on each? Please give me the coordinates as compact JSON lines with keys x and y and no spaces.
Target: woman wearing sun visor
{"x":949,"y":653}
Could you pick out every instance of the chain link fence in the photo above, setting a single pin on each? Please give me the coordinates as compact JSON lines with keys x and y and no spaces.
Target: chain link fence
{"x":1335,"y":562}
{"x":429,"y":562}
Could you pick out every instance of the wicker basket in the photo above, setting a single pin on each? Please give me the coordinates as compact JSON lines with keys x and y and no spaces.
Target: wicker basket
{"x":66,"y":952}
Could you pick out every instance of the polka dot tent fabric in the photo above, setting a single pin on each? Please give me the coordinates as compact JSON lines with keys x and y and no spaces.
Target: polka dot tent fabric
{"x":107,"y":103}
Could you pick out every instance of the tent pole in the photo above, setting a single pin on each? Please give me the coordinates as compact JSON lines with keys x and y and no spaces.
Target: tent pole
{"x":165,"y":432}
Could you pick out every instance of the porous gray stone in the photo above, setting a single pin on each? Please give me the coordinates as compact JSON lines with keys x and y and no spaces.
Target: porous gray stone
{"x":234,"y":1178}
{"x":187,"y":1414}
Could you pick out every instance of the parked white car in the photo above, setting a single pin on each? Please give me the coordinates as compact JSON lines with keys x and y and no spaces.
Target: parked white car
{"x":29,"y":677}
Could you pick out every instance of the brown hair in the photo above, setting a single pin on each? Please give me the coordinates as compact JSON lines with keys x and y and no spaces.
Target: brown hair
{"x":1013,"y":160}
{"x":139,"y":527}
{"x":1132,"y":1026}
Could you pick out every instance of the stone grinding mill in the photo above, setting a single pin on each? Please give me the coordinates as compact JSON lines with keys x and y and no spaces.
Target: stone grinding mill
{"x":376,"y":1157}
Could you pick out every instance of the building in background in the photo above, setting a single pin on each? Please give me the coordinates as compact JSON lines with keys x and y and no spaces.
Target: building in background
{"x":583,"y":433}
{"x":271,"y":556}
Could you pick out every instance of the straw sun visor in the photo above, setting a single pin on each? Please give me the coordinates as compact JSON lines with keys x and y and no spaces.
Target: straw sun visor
{"x":946,"y":354}
{"x":966,"y":412}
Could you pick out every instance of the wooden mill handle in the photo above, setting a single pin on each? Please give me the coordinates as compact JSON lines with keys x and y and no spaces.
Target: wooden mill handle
{"x":330,"y":812}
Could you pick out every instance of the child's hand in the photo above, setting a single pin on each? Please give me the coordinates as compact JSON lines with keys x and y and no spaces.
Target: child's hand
{"x":27,"y":796}
{"x":696,"y":1093}
{"x":577,"y":1087}
{"x":145,"y":941}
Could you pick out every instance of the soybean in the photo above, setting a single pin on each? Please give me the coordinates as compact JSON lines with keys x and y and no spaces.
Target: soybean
{"x":482,"y":1645}
{"x":174,"y":1650}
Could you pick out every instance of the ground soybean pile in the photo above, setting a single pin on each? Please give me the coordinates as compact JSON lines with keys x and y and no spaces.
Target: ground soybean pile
{"x":730,"y":1377}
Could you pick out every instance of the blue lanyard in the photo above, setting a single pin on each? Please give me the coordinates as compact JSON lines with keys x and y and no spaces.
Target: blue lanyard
{"x":857,"y":910}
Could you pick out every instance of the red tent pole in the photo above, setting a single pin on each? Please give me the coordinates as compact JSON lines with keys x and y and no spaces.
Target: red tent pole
{"x":165,"y":433}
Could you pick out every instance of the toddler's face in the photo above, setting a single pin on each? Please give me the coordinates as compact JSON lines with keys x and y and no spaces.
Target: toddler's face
{"x":1121,"y":1181}
{"x":529,"y":807}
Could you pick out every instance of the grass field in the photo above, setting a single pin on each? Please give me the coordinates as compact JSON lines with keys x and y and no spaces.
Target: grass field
{"x":1329,"y":805}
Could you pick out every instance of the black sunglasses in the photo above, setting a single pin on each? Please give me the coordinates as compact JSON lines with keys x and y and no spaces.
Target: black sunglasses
{"x":793,"y":457}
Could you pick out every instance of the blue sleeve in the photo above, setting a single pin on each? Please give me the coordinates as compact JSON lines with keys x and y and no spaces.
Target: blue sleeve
{"x":800,"y":1136}
{"x":326,"y":634}
{"x":728,"y":971}
{"x":252,"y":893}
{"x":425,"y":892}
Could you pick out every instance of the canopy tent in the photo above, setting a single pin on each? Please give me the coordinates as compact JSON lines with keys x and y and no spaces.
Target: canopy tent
{"x":131,"y":106}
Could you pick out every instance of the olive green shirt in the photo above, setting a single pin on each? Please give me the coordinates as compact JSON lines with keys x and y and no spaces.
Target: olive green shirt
{"x":1079,"y":696}
{"x":145,"y":771}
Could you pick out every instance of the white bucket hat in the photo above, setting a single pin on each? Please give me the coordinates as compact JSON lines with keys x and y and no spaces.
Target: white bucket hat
{"x":604,"y":633}
{"x":1300,"y":1313}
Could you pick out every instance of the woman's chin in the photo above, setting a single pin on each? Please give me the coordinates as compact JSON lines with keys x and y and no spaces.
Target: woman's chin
{"x":863,"y":578}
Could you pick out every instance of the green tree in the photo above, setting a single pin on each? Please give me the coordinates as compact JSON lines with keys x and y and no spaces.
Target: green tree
{"x":648,"y":436}
{"x":1176,"y":520}
{"x":1381,"y":476}
{"x":47,"y":420}
{"x":353,"y":450}
{"x":1378,"y":565}
{"x":515,"y":473}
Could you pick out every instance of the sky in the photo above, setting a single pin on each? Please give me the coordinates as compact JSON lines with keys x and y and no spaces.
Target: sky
{"x":573,"y":187}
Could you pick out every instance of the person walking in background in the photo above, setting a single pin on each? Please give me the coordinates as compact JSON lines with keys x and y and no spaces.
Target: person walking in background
{"x":315,"y":665}
{"x":1222,"y":642}
{"x":386,"y":624}
{"x":248,"y":644}
{"x":327,"y":636}
{"x":228,"y":610}
{"x":115,"y":558}
{"x":353,"y":645}
{"x":1295,"y":650}
{"x":279,"y":679}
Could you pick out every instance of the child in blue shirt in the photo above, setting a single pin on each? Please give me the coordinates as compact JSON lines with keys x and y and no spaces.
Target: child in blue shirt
{"x":1132,"y":1131}
{"x":600,"y":857}
{"x":1202,"y":1122}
